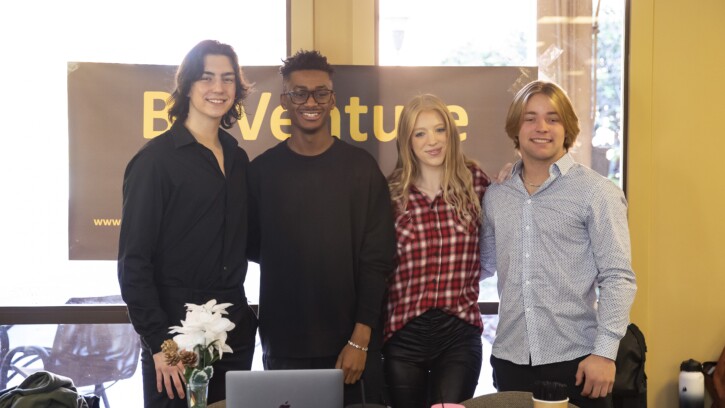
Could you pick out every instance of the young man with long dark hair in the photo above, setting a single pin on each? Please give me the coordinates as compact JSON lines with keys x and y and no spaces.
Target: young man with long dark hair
{"x":184,"y":223}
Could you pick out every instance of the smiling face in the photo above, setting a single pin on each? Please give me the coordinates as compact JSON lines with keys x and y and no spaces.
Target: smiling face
{"x":541,"y":135}
{"x":309,"y":117}
{"x":212,"y":95}
{"x":429,"y":140}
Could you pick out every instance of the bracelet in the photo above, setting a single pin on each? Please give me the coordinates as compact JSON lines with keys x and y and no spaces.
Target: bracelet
{"x":357,"y":346}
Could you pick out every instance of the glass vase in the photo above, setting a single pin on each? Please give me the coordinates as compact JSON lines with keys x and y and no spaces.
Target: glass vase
{"x":196,"y":392}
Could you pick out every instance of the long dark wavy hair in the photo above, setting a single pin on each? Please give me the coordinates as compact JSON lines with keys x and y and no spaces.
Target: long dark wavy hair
{"x":191,"y":70}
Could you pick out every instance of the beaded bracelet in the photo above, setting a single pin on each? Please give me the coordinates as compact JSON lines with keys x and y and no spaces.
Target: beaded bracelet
{"x":357,"y":346}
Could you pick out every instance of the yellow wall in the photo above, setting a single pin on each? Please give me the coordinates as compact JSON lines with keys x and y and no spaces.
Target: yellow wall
{"x":675,"y":184}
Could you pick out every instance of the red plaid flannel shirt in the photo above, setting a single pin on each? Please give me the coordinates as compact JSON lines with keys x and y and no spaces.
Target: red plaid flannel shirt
{"x":438,"y":261}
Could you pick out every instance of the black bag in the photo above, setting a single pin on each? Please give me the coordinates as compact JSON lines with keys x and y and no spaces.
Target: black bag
{"x":630,"y":382}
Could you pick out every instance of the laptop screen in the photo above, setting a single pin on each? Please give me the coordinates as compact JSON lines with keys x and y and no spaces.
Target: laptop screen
{"x":285,"y":389}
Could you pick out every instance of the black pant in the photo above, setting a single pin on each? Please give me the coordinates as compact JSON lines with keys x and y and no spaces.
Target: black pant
{"x":435,"y":358}
{"x":508,"y":376}
{"x":372,"y":376}
{"x":241,"y":339}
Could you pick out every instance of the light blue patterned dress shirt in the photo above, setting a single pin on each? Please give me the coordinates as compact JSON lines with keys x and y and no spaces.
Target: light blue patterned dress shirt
{"x":552,"y":250}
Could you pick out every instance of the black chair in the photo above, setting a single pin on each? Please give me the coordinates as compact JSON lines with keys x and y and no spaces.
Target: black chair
{"x":88,"y":354}
{"x":504,"y":399}
{"x":4,"y":348}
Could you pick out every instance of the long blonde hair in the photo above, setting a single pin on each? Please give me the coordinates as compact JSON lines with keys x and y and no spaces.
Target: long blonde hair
{"x":457,"y":182}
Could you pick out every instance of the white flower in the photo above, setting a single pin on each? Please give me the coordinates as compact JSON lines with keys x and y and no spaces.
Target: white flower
{"x":204,"y":326}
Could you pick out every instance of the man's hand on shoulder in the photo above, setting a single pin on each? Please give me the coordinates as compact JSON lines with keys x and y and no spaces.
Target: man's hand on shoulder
{"x":597,"y":373}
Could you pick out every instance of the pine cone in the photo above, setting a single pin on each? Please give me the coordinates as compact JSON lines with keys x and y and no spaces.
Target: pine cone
{"x":169,"y":346}
{"x":188,"y":358}
{"x":171,"y":352}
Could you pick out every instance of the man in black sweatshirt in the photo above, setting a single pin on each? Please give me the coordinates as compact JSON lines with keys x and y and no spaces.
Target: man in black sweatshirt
{"x":321,"y":228}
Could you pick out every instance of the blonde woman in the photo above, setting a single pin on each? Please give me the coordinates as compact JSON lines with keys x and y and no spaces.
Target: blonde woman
{"x":433,"y":325}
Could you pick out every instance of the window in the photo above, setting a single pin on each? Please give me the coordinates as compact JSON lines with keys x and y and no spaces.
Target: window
{"x":463,"y":32}
{"x":579,"y":45}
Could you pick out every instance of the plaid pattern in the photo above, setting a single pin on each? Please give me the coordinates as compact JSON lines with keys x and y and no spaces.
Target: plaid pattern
{"x":438,"y":261}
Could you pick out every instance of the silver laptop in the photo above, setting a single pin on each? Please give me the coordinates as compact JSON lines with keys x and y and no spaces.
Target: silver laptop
{"x":285,"y":389}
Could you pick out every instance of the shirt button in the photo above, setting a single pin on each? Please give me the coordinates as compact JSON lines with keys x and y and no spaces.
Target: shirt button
{"x":528,"y":201}
{"x":527,"y":228}
{"x":224,"y":268}
{"x":528,"y":282}
{"x":527,"y":255}
{"x":528,"y":309}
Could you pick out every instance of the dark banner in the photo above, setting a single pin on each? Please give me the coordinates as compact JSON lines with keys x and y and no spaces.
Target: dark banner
{"x":113,"y":109}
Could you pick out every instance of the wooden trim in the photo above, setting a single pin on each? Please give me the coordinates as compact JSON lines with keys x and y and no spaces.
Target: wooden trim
{"x":66,"y":314}
{"x":104,"y":314}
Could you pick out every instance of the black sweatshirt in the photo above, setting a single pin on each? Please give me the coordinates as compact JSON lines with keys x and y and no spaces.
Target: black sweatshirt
{"x":322,"y":229}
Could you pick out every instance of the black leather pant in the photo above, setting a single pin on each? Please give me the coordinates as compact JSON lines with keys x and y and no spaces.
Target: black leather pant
{"x":435,"y":358}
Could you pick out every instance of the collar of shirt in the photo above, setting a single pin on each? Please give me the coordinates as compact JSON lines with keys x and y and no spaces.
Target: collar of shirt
{"x":559,"y":168}
{"x":417,"y":194}
{"x":183,"y":137}
{"x":564,"y":164}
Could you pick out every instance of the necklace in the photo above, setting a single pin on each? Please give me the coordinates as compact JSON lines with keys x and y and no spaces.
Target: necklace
{"x":529,"y":184}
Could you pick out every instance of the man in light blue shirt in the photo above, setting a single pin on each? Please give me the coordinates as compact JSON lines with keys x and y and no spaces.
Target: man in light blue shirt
{"x":556,"y":233}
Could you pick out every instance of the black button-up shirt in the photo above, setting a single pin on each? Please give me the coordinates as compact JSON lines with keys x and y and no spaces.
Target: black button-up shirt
{"x":183,"y":232}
